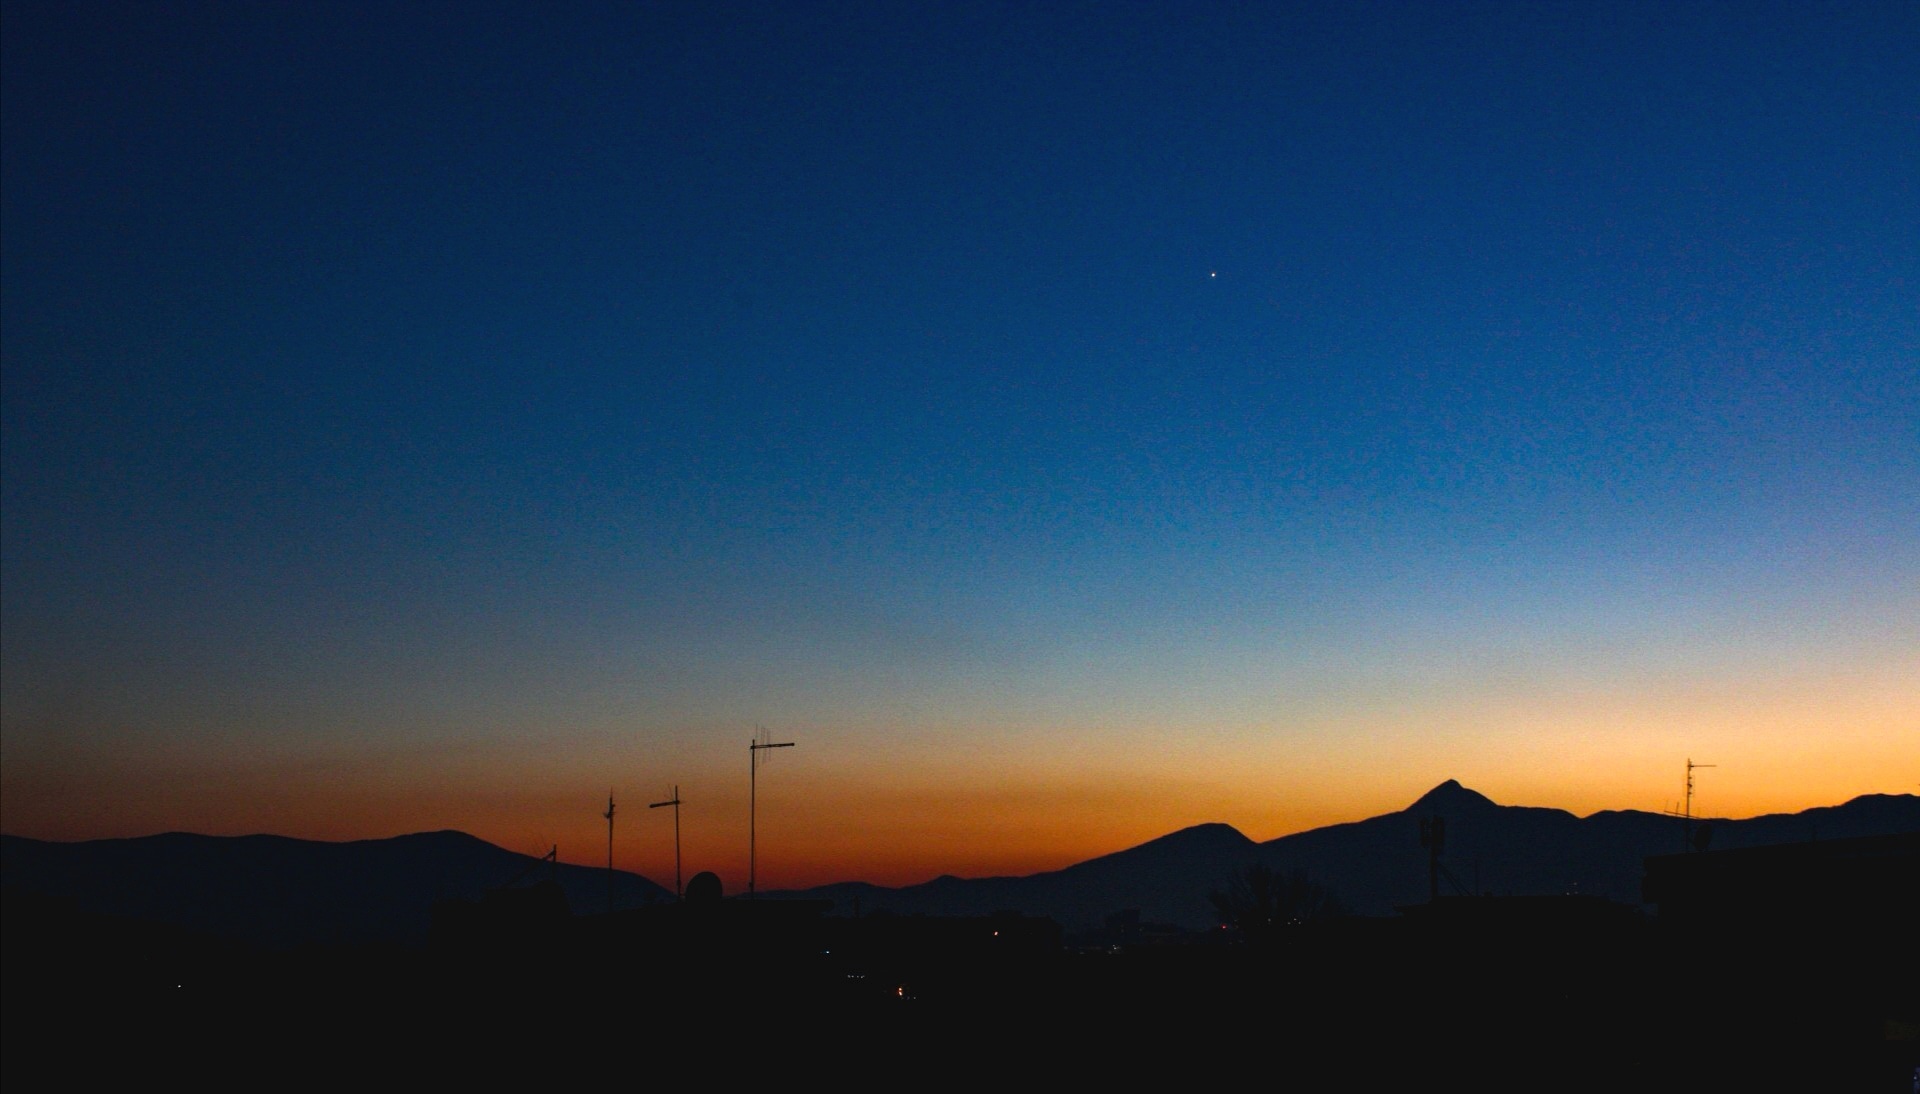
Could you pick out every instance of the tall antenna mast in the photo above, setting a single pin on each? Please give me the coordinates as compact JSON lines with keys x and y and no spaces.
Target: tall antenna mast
{"x":753,"y":752}
{"x":609,"y":815}
{"x":1686,"y":835}
{"x":673,"y":799}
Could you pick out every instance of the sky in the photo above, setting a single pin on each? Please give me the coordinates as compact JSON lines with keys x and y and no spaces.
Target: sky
{"x":1063,"y":422}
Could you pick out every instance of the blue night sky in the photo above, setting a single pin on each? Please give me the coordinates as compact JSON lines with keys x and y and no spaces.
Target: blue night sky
{"x":1067,"y":422}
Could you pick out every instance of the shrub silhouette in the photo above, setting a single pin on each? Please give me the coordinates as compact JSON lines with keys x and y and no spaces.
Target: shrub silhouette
{"x":1260,"y":901}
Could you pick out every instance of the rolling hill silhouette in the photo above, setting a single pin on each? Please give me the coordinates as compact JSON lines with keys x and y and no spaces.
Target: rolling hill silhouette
{"x":1373,"y":866}
{"x":277,"y":892}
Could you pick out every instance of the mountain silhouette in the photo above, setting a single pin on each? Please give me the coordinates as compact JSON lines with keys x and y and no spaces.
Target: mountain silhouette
{"x":277,"y":892}
{"x":1373,"y":866}
{"x":1160,"y":879}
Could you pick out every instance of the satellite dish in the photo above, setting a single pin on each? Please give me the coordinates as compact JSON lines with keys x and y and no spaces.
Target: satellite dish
{"x":704,"y":888}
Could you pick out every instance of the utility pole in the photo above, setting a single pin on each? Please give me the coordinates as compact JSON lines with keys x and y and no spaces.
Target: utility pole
{"x":609,"y":816}
{"x":753,"y":752}
{"x":673,"y":799}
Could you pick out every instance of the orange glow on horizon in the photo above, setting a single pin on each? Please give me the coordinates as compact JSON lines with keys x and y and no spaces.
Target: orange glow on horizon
{"x":816,"y":830}
{"x":895,"y":809}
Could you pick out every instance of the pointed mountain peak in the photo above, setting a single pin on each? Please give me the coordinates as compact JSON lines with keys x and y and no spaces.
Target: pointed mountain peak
{"x":1451,"y":795}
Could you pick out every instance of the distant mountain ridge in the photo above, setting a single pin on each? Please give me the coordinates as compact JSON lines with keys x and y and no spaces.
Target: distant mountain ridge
{"x":279,"y":892}
{"x":1376,"y":865}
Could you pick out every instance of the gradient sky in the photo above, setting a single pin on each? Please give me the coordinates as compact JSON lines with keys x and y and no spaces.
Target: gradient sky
{"x":1064,"y":422}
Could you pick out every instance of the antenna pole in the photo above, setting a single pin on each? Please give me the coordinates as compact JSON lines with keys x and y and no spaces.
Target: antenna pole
{"x":1686,"y":834}
{"x":673,"y":799}
{"x":609,"y":816}
{"x":753,"y":771}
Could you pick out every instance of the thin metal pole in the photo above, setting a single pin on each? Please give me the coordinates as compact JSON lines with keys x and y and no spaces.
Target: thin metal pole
{"x":753,"y":799}
{"x":753,"y":794}
{"x":673,"y":797}
{"x":609,"y":816}
{"x":1686,"y":838}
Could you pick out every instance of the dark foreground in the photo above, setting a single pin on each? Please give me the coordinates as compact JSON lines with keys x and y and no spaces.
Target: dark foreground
{"x":1493,"y":1001}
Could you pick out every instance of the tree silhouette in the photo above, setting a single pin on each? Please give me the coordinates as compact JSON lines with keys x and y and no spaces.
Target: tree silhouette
{"x":1261,"y":901}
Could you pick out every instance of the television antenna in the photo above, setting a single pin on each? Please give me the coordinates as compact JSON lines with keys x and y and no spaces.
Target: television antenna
{"x":552,"y":860}
{"x":1686,"y":813}
{"x":673,"y":799}
{"x":759,"y":744}
{"x":609,"y":815}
